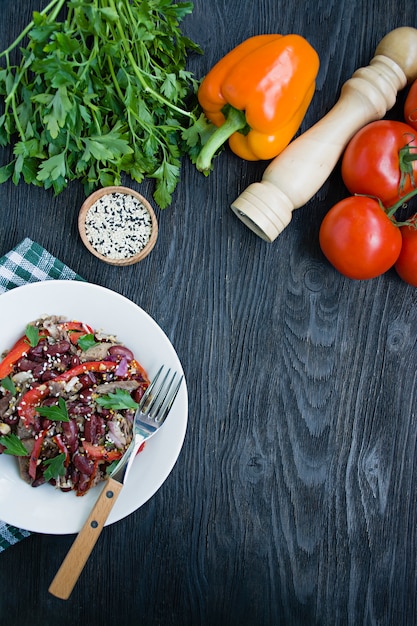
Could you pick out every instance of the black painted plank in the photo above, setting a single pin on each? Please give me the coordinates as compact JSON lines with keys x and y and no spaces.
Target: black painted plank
{"x":294,"y":498}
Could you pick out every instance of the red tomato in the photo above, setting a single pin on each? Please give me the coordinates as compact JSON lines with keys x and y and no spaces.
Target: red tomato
{"x":359,"y":239}
{"x":406,"y":264}
{"x":371,"y":163}
{"x":410,"y":106}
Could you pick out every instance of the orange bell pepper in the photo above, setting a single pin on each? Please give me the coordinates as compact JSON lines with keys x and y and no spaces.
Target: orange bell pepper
{"x":257,"y":96}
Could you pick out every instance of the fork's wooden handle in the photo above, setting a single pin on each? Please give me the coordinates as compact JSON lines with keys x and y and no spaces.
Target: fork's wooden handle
{"x":77,"y":556}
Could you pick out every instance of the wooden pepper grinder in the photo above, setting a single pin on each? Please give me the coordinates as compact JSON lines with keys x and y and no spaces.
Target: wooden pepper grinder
{"x":296,"y":174}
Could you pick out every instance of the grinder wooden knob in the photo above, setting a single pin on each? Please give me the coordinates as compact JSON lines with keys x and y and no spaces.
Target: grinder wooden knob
{"x":296,"y":174}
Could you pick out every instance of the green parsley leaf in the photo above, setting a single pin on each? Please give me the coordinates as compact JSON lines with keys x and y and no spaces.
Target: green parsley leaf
{"x":13,"y":445}
{"x":55,"y":467}
{"x":119,"y":400}
{"x":57,"y":413}
{"x":52,"y":169}
{"x":32,"y":334}
{"x":8,"y":384}
{"x":74,"y":97}
{"x":110,"y":147}
{"x":111,"y":467}
{"x":86,"y":341}
{"x":6,"y":171}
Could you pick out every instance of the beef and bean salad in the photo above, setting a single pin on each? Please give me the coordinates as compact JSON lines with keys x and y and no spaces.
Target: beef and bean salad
{"x":68,"y":396}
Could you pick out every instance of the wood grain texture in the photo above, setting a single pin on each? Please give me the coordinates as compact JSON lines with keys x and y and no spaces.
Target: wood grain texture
{"x":294,"y":499}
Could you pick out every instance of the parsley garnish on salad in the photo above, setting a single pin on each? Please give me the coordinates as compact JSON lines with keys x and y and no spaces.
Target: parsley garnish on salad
{"x":32,"y":334}
{"x":120,"y":399}
{"x":8,"y":384}
{"x":55,"y":467}
{"x":57,"y":413}
{"x":87,"y":341}
{"x":13,"y":445}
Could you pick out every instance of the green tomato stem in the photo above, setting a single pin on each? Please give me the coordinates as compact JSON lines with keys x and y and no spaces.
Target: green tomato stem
{"x":390,"y":211}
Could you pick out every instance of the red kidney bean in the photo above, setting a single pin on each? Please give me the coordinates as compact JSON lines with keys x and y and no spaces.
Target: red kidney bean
{"x":64,"y":361}
{"x":83,"y":483}
{"x":121,"y":351}
{"x":39,"y":370}
{"x":38,"y":351}
{"x":73,"y":475}
{"x":40,"y":480}
{"x":93,"y":428}
{"x":78,"y":408}
{"x":26,"y":365}
{"x":60,"y":347}
{"x":85,"y":394}
{"x":45,"y":423}
{"x":11,"y":420}
{"x":89,"y":431}
{"x":138,"y":394}
{"x":51,"y":401}
{"x":70,"y":430}
{"x":87,"y":379}
{"x":101,"y":425}
{"x":75,"y":360}
{"x":49,"y":375}
{"x":83,"y":464}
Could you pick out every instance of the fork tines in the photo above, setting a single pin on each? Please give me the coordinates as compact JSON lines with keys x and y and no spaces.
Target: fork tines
{"x":159,"y":397}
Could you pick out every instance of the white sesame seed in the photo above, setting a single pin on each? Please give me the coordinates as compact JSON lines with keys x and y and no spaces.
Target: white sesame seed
{"x":118,"y":225}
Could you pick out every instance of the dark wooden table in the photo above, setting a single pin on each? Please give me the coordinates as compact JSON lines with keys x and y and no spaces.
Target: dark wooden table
{"x":294,"y":498}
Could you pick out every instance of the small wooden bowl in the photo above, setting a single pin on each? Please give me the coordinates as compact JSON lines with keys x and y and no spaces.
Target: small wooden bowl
{"x":120,"y":229}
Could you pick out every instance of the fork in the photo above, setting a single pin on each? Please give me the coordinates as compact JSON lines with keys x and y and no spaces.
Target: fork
{"x":152,"y":412}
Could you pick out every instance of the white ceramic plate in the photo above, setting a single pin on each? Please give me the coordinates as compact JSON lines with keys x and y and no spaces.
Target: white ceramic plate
{"x":45,"y":509}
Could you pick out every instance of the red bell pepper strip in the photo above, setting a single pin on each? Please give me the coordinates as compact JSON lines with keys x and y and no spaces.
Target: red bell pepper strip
{"x":76,"y":330}
{"x":33,"y":397}
{"x":134,"y":365}
{"x":62,"y":448}
{"x":101,"y":453}
{"x":88,"y":366}
{"x":19,"y":350}
{"x":34,"y":457}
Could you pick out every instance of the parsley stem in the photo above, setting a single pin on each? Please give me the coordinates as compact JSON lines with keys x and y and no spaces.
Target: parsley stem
{"x":17,"y":120}
{"x":113,"y":75}
{"x":31,"y":24}
{"x":139,"y":74}
{"x":58,"y":4}
{"x":105,"y":82}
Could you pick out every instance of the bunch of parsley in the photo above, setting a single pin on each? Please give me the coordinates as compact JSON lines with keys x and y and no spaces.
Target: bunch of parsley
{"x":101,"y":93}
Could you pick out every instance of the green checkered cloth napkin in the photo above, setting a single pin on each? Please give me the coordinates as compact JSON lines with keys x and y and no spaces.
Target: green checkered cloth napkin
{"x":28,"y":262}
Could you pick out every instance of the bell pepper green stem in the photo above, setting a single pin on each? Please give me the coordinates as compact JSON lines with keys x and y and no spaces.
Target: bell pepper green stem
{"x":235,"y":120}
